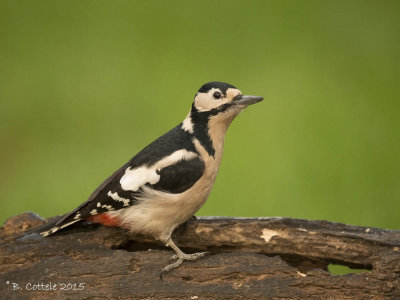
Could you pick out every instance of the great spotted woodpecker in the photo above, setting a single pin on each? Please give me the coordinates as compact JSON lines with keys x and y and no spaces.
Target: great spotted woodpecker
{"x":169,"y":180}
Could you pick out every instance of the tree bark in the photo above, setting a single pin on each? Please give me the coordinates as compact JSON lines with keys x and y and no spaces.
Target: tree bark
{"x":250,"y":258}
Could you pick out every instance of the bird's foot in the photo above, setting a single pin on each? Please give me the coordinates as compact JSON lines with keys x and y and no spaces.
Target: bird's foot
{"x":190,"y":257}
{"x":180,"y":258}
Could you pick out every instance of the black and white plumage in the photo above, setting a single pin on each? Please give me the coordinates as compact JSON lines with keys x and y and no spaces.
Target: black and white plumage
{"x":170,"y":179}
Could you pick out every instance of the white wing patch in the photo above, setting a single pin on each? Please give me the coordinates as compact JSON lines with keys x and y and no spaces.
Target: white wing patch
{"x":135,"y":178}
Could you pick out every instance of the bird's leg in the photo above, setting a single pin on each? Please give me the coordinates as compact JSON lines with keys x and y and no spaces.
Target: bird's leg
{"x":180,"y":256}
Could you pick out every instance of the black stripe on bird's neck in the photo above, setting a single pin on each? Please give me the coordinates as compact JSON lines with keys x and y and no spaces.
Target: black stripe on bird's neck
{"x":200,"y":120}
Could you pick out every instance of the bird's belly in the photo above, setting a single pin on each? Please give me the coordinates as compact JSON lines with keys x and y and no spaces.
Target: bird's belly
{"x":157,"y":214}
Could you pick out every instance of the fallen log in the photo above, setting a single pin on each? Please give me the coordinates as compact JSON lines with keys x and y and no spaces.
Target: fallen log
{"x":250,"y":258}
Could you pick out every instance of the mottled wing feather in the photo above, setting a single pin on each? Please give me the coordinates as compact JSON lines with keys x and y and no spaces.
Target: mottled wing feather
{"x":175,"y":178}
{"x":98,"y":193}
{"x":112,"y":180}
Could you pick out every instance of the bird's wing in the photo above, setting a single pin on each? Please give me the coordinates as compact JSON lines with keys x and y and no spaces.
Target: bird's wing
{"x":180,"y":176}
{"x":107,"y":184}
{"x":111,"y":195}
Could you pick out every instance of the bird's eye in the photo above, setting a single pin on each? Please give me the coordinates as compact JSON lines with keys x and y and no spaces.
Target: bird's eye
{"x":217,"y":95}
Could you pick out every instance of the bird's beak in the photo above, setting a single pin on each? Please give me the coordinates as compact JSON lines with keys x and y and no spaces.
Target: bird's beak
{"x":246,"y":100}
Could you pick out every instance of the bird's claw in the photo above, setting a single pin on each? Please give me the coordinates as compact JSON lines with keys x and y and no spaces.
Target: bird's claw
{"x":171,"y":266}
{"x":180,"y":259}
{"x":190,"y":257}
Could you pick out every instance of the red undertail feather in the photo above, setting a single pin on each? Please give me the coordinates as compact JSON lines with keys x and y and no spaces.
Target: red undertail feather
{"x":105,"y":219}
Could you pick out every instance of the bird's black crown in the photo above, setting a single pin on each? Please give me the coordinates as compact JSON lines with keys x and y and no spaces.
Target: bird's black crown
{"x":222,"y":86}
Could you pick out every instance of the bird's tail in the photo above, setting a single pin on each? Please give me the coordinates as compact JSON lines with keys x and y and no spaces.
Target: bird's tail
{"x":52,"y":226}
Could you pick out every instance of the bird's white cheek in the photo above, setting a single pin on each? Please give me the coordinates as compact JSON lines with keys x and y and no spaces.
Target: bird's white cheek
{"x":205,"y":102}
{"x":133,"y":179}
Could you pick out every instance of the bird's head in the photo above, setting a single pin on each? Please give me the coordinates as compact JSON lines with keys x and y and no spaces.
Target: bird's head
{"x":220,"y":98}
{"x":219,"y":102}
{"x":214,"y":107}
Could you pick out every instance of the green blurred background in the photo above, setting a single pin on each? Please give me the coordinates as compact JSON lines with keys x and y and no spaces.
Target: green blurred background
{"x":87,"y":84}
